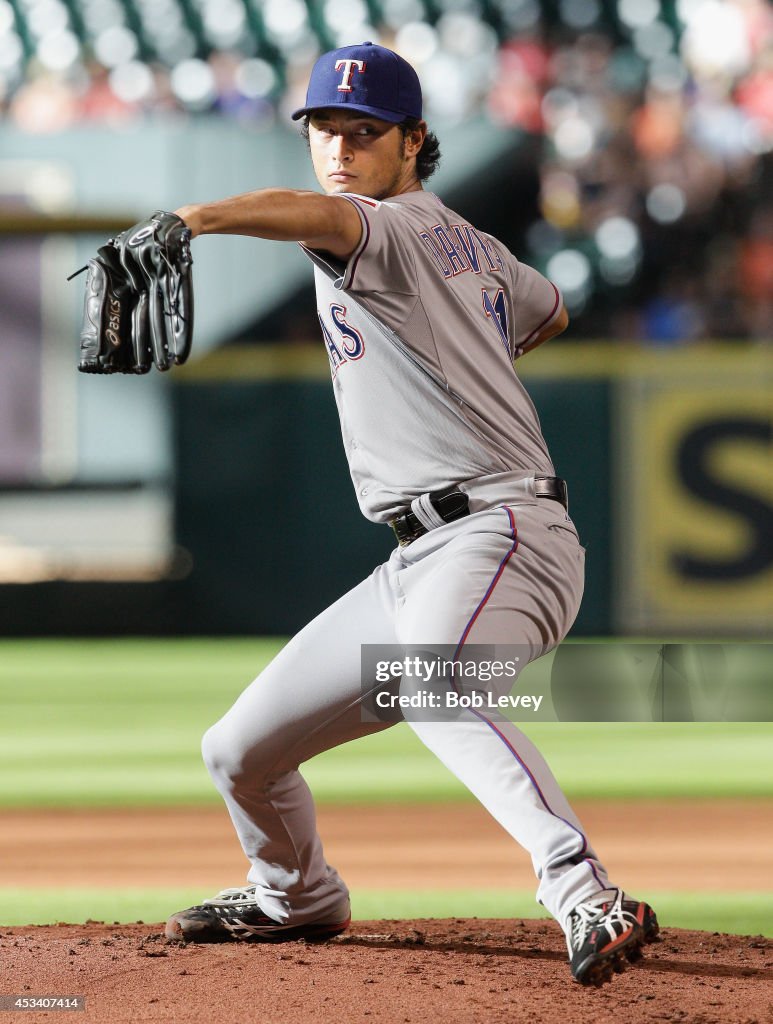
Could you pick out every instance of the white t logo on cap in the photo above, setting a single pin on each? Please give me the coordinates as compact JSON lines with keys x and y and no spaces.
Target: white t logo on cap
{"x":348,"y":66}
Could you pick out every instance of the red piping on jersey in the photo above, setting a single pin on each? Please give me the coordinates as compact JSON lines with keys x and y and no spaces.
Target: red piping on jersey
{"x":488,"y":722}
{"x":364,"y":243}
{"x":547,"y":319}
{"x":372,"y":203}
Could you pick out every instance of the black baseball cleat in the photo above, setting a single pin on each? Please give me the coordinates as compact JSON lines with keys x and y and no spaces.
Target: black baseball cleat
{"x":606,"y":931}
{"x":235,"y":914}
{"x":647,"y":918}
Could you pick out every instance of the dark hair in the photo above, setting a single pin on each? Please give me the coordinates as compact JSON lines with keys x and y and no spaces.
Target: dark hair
{"x":428,"y":157}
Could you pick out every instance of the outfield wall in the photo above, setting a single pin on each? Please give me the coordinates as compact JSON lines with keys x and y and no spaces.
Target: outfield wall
{"x":669,"y":458}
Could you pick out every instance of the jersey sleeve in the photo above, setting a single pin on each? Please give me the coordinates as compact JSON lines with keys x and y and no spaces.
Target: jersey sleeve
{"x":537,"y":302}
{"x":383,"y":261}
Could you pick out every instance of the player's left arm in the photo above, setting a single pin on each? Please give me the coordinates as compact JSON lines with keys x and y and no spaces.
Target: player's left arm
{"x":551,"y":330}
{"x":538,"y":309}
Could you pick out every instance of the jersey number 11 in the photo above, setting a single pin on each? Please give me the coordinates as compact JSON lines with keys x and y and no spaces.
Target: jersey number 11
{"x":496,"y":311}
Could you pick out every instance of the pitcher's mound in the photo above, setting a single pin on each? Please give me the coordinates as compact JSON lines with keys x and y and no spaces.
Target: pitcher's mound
{"x":392,"y":972}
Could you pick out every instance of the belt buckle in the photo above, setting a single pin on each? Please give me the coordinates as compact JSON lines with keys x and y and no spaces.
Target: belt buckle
{"x":399,"y":524}
{"x":411,"y":533}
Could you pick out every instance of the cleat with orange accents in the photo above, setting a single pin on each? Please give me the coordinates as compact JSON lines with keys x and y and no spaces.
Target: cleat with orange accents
{"x":605,"y":931}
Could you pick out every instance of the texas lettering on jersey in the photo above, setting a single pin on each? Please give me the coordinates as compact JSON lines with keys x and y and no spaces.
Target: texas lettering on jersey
{"x":343,"y":342}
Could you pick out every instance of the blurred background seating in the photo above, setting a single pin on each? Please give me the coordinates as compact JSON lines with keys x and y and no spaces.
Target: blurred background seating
{"x":652,"y":122}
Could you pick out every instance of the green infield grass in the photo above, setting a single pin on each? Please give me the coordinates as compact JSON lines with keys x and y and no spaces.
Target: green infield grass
{"x":118,"y":723}
{"x":738,"y":913}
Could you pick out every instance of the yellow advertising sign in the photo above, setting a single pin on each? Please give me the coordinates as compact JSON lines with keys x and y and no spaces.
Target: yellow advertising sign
{"x":695,"y":542}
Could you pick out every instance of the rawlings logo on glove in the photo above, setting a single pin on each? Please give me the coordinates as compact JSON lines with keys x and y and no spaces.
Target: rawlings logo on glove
{"x":138,"y":308}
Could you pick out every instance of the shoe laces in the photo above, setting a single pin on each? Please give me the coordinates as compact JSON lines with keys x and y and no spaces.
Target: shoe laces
{"x":588,"y":913}
{"x":236,"y":894}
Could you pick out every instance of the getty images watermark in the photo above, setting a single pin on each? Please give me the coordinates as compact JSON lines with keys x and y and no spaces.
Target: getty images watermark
{"x":576,"y":682}
{"x":438,"y":682}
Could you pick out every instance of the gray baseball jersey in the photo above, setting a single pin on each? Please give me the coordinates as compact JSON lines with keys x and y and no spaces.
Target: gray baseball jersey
{"x":422,"y":326}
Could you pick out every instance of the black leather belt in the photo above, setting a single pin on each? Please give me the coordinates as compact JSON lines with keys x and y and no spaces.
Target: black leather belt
{"x":451,"y":504}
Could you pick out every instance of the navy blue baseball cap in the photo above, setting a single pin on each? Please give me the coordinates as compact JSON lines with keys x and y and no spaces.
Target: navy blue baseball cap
{"x":367,"y":78}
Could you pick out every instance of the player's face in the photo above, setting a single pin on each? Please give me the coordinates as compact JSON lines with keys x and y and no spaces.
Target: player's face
{"x":355,"y":153}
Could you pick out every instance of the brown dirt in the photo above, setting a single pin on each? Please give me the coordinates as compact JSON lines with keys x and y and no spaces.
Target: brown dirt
{"x":648,"y":844}
{"x":391,"y":972}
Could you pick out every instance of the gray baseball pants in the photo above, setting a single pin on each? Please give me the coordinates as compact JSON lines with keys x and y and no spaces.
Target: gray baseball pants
{"x":509,"y":574}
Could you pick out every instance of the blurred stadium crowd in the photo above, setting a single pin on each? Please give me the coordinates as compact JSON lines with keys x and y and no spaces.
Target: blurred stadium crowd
{"x":655,"y":119}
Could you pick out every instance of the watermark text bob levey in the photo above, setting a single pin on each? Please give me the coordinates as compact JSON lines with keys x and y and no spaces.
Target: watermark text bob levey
{"x":450,"y":699}
{"x":427,"y":670}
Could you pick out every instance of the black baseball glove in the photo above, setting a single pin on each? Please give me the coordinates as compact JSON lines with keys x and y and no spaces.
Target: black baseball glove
{"x":138,"y":309}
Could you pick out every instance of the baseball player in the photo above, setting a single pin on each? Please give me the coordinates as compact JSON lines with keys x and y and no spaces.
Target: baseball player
{"x":422,"y":316}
